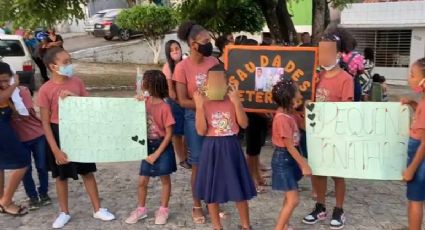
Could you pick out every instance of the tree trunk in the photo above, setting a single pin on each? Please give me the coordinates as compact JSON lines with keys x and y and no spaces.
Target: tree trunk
{"x":286,"y":24}
{"x":268,"y":7}
{"x":321,"y":19}
{"x":155,"y":46}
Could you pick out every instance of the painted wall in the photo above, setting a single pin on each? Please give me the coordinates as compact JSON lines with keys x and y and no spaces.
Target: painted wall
{"x":134,"y":51}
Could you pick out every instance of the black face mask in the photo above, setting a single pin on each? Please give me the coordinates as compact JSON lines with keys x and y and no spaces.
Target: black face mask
{"x":206,"y":49}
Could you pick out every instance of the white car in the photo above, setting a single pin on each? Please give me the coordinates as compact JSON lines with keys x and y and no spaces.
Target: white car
{"x":14,"y":52}
{"x":96,"y":18}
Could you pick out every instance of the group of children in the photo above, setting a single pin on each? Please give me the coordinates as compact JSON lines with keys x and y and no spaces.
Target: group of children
{"x":194,"y":94}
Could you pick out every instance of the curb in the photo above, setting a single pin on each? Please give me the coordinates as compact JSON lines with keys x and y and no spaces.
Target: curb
{"x":108,"y":88}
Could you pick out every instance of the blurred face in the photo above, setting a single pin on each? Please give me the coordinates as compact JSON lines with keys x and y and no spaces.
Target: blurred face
{"x":216,"y":85}
{"x":415,"y":77}
{"x":4,"y":81}
{"x":175,"y":52}
{"x":216,"y":80}
{"x":328,"y":53}
{"x":51,"y":31}
{"x":62,"y":59}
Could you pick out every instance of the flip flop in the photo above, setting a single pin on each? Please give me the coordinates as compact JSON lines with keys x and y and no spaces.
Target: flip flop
{"x":244,"y":228}
{"x":266,"y":182}
{"x":199,"y":219}
{"x":261,"y":190}
{"x":21,"y":210}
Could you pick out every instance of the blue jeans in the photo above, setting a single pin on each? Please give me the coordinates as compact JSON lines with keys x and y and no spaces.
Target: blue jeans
{"x":38,"y":150}
{"x":193,"y":140}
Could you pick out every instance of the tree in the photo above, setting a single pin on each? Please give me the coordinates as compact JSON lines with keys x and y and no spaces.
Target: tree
{"x":321,"y":15}
{"x":33,"y":13}
{"x":223,"y":16}
{"x":152,"y":22}
{"x":278,"y":20}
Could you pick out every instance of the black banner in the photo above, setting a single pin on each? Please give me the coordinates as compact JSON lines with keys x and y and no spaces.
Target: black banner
{"x":255,"y":69}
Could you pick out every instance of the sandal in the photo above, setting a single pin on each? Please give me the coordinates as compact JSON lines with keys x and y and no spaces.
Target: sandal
{"x":21,"y":210}
{"x":199,"y":219}
{"x":261,"y":190}
{"x":266,"y":182}
{"x":244,"y":228}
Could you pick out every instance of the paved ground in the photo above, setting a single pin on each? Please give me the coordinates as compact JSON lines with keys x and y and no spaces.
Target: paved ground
{"x":75,"y":43}
{"x":369,"y":204}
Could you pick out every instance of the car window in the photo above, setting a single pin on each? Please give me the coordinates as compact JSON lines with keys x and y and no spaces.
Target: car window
{"x":98,"y":15}
{"x":112,"y":14}
{"x":11,"y":48}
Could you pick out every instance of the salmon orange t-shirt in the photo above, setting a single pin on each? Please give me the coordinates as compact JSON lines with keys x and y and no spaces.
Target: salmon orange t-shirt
{"x":339,"y":88}
{"x":284,"y":126}
{"x":27,"y":128}
{"x":221,"y":118}
{"x":192,"y":74}
{"x":48,"y":95}
{"x":418,"y":122}
{"x":167,"y":71}
{"x":159,"y":117}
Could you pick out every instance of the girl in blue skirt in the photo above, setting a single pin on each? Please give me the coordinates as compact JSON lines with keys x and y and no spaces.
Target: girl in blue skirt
{"x":223,"y":175}
{"x":13,"y":155}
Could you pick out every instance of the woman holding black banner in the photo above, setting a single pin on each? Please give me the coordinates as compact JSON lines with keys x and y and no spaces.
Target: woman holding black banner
{"x":190,"y":76}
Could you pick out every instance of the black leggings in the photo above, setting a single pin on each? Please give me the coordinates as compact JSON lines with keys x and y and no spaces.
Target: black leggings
{"x":42,"y":67}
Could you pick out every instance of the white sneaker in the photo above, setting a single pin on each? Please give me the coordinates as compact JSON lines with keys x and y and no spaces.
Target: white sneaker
{"x":61,"y":221}
{"x":104,"y":215}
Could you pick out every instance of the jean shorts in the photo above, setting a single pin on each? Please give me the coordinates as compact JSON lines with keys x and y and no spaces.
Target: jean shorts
{"x":193,"y":140}
{"x":178,"y":114}
{"x":415,"y":187}
{"x":163,"y":166}
{"x":285,"y":171}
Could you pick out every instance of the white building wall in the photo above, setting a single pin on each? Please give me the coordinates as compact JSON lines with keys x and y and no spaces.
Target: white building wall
{"x":417,"y":49}
{"x":384,"y":14}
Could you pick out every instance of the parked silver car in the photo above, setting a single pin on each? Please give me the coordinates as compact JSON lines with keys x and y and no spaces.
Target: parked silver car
{"x":96,"y":18}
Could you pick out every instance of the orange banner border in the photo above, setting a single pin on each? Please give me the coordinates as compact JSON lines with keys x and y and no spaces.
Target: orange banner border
{"x":275,"y":48}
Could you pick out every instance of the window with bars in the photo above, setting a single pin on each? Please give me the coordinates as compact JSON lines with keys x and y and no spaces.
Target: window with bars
{"x":392,"y":47}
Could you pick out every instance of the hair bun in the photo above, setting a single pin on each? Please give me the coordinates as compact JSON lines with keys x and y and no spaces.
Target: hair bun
{"x":184,"y":30}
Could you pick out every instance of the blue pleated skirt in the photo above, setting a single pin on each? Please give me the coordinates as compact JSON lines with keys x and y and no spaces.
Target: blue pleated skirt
{"x":223,"y":174}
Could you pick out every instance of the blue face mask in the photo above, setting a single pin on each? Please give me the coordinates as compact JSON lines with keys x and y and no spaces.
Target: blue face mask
{"x":66,"y":70}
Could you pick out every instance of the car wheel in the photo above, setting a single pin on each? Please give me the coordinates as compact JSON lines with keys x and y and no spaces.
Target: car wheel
{"x":108,"y":38}
{"x":124,"y":35}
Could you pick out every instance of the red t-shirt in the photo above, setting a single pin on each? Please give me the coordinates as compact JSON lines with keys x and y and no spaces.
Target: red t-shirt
{"x":221,"y":118}
{"x":192,"y":74}
{"x":339,"y":88}
{"x":48,"y":95}
{"x":159,"y":117}
{"x":27,"y":128}
{"x":284,"y":126}
{"x":418,"y":122}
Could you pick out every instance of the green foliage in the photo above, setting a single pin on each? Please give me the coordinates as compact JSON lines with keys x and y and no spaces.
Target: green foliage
{"x":153,"y":22}
{"x":34,"y":13}
{"x":224,"y":16}
{"x":341,"y":4}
